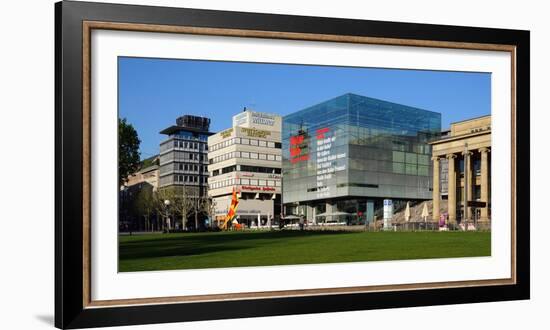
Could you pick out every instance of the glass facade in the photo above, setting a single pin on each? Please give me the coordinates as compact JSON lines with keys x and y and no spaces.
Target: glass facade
{"x":354,"y":146}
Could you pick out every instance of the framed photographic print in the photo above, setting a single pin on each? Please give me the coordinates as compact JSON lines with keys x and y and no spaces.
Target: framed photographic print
{"x":214,"y":164}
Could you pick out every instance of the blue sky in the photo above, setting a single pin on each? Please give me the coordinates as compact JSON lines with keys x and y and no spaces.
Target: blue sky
{"x":154,"y":92}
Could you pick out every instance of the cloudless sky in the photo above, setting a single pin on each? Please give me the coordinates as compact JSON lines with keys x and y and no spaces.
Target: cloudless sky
{"x":154,"y":92}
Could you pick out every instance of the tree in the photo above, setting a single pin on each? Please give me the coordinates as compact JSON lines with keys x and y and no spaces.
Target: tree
{"x":183,"y":203}
{"x":128,"y":150}
{"x":159,"y":198}
{"x":145,"y":204}
{"x":208,"y":206}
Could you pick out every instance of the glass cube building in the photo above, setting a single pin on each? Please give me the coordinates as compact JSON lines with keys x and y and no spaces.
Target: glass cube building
{"x":343,"y":157}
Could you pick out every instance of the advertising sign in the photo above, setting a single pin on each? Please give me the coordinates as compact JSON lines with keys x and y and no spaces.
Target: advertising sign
{"x":388,"y":213}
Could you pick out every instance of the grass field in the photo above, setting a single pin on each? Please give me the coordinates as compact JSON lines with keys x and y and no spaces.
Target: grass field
{"x":263,"y":248}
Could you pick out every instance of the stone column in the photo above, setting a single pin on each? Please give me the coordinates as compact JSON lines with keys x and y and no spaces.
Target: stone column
{"x":452,"y":188}
{"x":329,"y":209}
{"x":468,"y":180}
{"x":310,"y":214}
{"x":436,"y":191}
{"x":485,"y":182}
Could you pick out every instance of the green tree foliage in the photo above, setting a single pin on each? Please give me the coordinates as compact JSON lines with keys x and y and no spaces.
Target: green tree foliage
{"x":128,"y":150}
{"x":145,"y":204}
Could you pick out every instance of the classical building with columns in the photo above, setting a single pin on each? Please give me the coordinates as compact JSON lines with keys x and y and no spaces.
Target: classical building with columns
{"x":462,"y":159}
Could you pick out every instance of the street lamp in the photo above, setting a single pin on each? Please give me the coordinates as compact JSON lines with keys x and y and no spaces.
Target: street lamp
{"x":166,"y":205}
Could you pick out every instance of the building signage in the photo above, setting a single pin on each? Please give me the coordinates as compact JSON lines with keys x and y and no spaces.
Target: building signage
{"x":256,"y":188}
{"x":262,"y":118}
{"x":327,"y":161}
{"x":226,"y":133}
{"x":388,"y":213}
{"x":252,"y":132}
{"x":255,"y":118}
{"x":240,"y":119}
{"x":298,"y":148}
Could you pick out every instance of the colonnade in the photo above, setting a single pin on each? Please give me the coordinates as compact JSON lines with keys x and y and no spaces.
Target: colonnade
{"x":452,"y":183}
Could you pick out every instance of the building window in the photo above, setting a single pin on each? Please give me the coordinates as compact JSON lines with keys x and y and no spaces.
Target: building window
{"x":399,"y":168}
{"x":410,"y":158}
{"x":423,"y":170}
{"x":410,"y":169}
{"x":477,"y":192}
{"x":399,"y":156}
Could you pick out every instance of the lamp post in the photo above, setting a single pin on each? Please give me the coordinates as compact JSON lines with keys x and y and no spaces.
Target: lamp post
{"x":166,"y":205}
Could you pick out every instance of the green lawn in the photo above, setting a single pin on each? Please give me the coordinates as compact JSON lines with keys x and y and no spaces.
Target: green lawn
{"x":263,"y":248}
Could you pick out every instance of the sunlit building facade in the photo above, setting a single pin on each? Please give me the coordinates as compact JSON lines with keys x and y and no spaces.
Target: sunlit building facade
{"x":342,"y":158}
{"x":184,"y":155}
{"x":246,"y":158}
{"x":462,"y":164}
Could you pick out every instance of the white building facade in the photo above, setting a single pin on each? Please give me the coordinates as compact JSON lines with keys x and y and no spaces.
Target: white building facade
{"x":247,"y":157}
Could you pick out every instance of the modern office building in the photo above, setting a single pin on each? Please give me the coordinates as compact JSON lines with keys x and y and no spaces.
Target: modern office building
{"x":184,"y":160}
{"x":342,"y":158}
{"x":247,"y":158}
{"x":467,"y":146}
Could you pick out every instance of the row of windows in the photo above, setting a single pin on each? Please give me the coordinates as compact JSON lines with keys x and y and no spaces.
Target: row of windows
{"x":190,"y":135}
{"x":245,"y":182}
{"x":245,"y":155}
{"x":245,"y":141}
{"x":410,"y":169}
{"x":246,"y":168}
{"x":368,"y":166}
{"x":190,"y":167}
{"x":181,"y":156}
{"x":411,"y":158}
{"x":190,"y":145}
{"x":190,"y":178}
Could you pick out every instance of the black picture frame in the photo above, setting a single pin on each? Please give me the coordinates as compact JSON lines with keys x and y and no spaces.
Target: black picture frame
{"x":70,"y":310}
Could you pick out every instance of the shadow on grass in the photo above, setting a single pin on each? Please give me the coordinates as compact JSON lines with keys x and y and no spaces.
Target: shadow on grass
{"x":192,"y":244}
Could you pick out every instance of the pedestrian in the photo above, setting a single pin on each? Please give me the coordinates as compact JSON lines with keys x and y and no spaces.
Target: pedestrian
{"x":301,"y":222}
